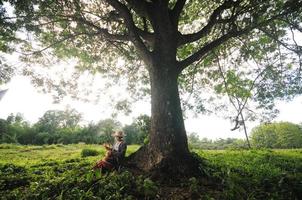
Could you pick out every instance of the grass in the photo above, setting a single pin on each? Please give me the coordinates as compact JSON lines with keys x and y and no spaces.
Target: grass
{"x":256,"y":174}
{"x":26,"y":155}
{"x":59,"y":172}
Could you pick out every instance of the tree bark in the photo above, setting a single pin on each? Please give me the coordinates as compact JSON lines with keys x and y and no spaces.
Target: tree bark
{"x":167,"y":155}
{"x":168,"y":135}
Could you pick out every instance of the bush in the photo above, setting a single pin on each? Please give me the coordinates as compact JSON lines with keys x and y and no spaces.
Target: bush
{"x":277,"y":135}
{"x":89,"y":152}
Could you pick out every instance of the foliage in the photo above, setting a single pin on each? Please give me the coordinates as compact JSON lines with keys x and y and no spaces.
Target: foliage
{"x":27,"y":155}
{"x":277,"y":135}
{"x":14,"y":128}
{"x":66,"y":177}
{"x":138,"y":131}
{"x":89,"y":152}
{"x":256,"y":174}
{"x":63,"y":127}
{"x":143,"y":122}
{"x":6,"y":71}
{"x":205,"y":143}
{"x":52,"y":120}
{"x":132,"y":136}
{"x":147,"y":187}
{"x":59,"y":172}
{"x":106,"y":128}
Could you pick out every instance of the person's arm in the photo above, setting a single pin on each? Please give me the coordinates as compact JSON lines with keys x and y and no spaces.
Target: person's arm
{"x":107,"y":147}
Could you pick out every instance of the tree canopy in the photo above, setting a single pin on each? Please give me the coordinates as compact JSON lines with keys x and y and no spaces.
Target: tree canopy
{"x":277,"y":135}
{"x":55,"y":119}
{"x":253,"y":40}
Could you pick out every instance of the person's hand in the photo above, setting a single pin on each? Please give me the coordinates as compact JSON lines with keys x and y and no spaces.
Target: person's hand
{"x":107,"y":146}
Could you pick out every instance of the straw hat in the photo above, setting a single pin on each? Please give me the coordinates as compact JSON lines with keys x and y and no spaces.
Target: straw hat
{"x":118,"y":134}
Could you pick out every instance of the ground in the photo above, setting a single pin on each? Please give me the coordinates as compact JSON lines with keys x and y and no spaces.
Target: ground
{"x":59,"y":171}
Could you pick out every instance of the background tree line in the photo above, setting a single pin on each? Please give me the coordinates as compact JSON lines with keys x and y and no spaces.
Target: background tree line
{"x":57,"y":126}
{"x":230,"y":143}
{"x":278,"y":135}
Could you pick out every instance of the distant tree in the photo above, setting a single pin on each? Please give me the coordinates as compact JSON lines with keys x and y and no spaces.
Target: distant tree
{"x":43,"y":138}
{"x":289,"y":135}
{"x":143,"y":123}
{"x":239,"y":144}
{"x":18,"y":118}
{"x":205,"y":143}
{"x":88,"y":134}
{"x":14,"y":128}
{"x":49,"y":122}
{"x":28,"y":137}
{"x":138,"y":131}
{"x":194,"y":141}
{"x":3,"y":129}
{"x":53,"y":120}
{"x":64,"y":135}
{"x":277,"y":135}
{"x":106,"y":128}
{"x":264,"y":136}
{"x":132,"y":134}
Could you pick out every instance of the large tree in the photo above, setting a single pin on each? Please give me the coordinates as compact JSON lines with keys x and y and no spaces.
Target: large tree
{"x":176,"y":40}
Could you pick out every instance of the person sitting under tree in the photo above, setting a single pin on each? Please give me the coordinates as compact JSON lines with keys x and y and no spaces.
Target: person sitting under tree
{"x":114,"y":154}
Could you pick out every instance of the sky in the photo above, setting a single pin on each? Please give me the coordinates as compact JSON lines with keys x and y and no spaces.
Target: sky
{"x":23,"y":97}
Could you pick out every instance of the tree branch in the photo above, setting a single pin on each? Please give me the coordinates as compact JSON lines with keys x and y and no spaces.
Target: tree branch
{"x":135,"y":38}
{"x":278,"y":41}
{"x":139,"y":6}
{"x":102,"y":31}
{"x":147,"y":36}
{"x":208,"y":47}
{"x":99,"y":31}
{"x":232,"y":33}
{"x":298,"y":51}
{"x":60,"y":41}
{"x":206,"y":29}
{"x":175,"y":13}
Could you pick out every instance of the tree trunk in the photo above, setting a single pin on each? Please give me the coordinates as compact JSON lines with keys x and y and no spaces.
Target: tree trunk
{"x":245,"y":131}
{"x":167,"y":154}
{"x":168,"y":135}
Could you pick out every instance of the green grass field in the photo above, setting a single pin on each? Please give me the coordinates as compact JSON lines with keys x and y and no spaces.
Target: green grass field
{"x":27,"y":155}
{"x":59,"y":172}
{"x":257,"y":174}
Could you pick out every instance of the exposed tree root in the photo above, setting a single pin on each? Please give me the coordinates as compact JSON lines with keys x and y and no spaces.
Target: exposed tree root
{"x":174,"y":175}
{"x":165,"y":169}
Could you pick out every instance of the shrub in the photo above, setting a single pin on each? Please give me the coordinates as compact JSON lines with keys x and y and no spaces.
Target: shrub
{"x":146,"y":187}
{"x":89,"y":152}
{"x":277,"y":135}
